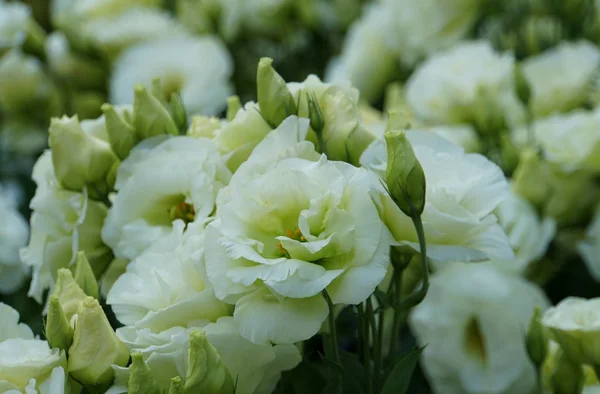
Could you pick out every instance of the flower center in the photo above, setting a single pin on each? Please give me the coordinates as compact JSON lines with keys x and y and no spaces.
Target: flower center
{"x":474,"y":341}
{"x":183,"y":211}
{"x":295,"y":235}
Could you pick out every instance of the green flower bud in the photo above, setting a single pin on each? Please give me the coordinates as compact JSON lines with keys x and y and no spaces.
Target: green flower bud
{"x":522,"y":86}
{"x":95,"y":346}
{"x":156,"y":90}
{"x":34,"y":39}
{"x":68,"y":292}
{"x":317,"y":123}
{"x":78,"y":158}
{"x":176,"y":386}
{"x":567,"y":376}
{"x":274,"y":98}
{"x":151,"y":118}
{"x":398,"y":120}
{"x":405,"y":177}
{"x":206,"y":372}
{"x":140,"y":378}
{"x":84,"y":276}
{"x":531,"y":178}
{"x":204,"y":127}
{"x":58,"y":330}
{"x":536,"y":340}
{"x":121,"y":133}
{"x":177,"y":111}
{"x":488,"y":116}
{"x":394,"y":97}
{"x":233,"y":106}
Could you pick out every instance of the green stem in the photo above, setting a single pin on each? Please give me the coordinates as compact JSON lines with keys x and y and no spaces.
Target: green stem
{"x":418,"y":296}
{"x":364,"y":339}
{"x":376,"y":348}
{"x":332,"y":328}
{"x":398,"y":271}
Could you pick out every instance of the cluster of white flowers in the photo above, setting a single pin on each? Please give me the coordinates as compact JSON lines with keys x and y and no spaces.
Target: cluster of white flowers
{"x":13,"y":236}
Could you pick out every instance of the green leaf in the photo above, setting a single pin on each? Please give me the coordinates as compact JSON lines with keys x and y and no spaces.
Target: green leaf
{"x":401,"y":372}
{"x":304,"y":379}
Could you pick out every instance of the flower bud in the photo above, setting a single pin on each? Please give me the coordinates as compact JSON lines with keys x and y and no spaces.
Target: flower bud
{"x":78,"y":158}
{"x":206,"y":372}
{"x":531,"y":178}
{"x":274,"y":98}
{"x":58,"y":330}
{"x":233,"y":106}
{"x":404,"y":175}
{"x":177,"y":111}
{"x":488,"y":116}
{"x":176,"y":386}
{"x":317,"y":123}
{"x":536,"y":340}
{"x":522,"y":86}
{"x":121,"y":133}
{"x":95,"y":346}
{"x":140,"y":378}
{"x":150,"y":117}
{"x":567,"y":376}
{"x":84,"y":276}
{"x":68,"y":292}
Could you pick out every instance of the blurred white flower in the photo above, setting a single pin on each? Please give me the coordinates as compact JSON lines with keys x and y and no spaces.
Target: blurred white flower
{"x":159,"y":182}
{"x":290,"y":225}
{"x":569,"y":141}
{"x":575,"y":324}
{"x":256,"y":368}
{"x":197,"y":67}
{"x":447,"y":87}
{"x":166,"y":286}
{"x":589,"y":247}
{"x":62,"y":223}
{"x":13,"y":236}
{"x":28,"y":364}
{"x":365,"y":60}
{"x":416,"y":29}
{"x":560,"y":77}
{"x":529,"y":235}
{"x":259,"y":16}
{"x":14,"y":18}
{"x":473,"y":321}
{"x":77,"y":11}
{"x":463,"y":189}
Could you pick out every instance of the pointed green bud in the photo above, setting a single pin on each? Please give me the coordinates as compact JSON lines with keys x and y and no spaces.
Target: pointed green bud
{"x":141,"y":380}
{"x":69,"y":294}
{"x":567,"y":376}
{"x":121,"y":133}
{"x":522,"y":86}
{"x":176,"y":386}
{"x":394,"y":97}
{"x":78,"y":158}
{"x":317,"y":123}
{"x":531,"y":178}
{"x":206,"y":372}
{"x":274,"y":98}
{"x":233,"y":106}
{"x":95,"y":346}
{"x":58,"y":330}
{"x":405,"y":177}
{"x":84,"y":276}
{"x":398,"y":120}
{"x":156,"y":90}
{"x":537,"y":340}
{"x":151,"y":118}
{"x":488,"y":115}
{"x":177,"y":111}
{"x":111,"y":177}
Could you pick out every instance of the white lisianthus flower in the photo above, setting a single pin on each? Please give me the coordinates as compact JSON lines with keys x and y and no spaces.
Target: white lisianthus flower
{"x":473,"y":321}
{"x":86,"y":10}
{"x":446,"y":87}
{"x":589,"y":247}
{"x":289,"y":226}
{"x":570,"y":141}
{"x":590,"y":380}
{"x":197,"y":67}
{"x":166,"y":286}
{"x":14,"y":18}
{"x":161,"y":181}
{"x":463,"y":189}
{"x":365,"y":59}
{"x":255,"y":367}
{"x":28,"y":364}
{"x":529,"y":235}
{"x":560,"y":77}
{"x":62,"y":223}
{"x":13,"y":236}
{"x":412,"y":39}
{"x":575,"y":324}
{"x":464,"y":136}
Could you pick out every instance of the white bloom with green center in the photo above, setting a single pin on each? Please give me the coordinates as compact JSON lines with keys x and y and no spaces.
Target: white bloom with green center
{"x":560,"y":77}
{"x":463,"y":189}
{"x":255,"y":367}
{"x":166,"y":286}
{"x":13,"y":236}
{"x":290,"y":225}
{"x":473,"y":321}
{"x":446,"y":87}
{"x":589,"y":247}
{"x":28,"y":364}
{"x":161,"y":181}
{"x":14,"y":18}
{"x":199,"y":68}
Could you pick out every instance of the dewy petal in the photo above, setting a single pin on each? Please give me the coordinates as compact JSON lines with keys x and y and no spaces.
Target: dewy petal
{"x":262,"y":318}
